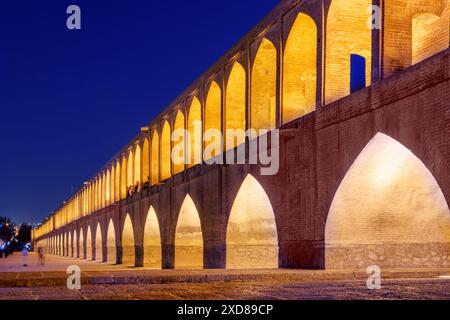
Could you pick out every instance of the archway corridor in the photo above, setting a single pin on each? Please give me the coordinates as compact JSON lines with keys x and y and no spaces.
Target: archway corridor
{"x":128,"y":246}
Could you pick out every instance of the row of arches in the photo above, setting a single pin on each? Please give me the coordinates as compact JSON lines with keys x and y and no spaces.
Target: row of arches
{"x":405,"y":221}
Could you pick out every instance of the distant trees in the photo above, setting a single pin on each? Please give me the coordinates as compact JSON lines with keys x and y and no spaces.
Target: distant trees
{"x":24,"y":235}
{"x":7,"y":229}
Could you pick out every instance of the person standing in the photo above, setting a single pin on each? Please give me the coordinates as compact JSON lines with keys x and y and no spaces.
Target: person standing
{"x":25,"y":256}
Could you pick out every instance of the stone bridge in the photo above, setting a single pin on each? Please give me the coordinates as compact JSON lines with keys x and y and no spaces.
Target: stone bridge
{"x":360,"y":93}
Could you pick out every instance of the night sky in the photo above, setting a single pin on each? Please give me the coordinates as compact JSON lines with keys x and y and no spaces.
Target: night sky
{"x":69,"y":100}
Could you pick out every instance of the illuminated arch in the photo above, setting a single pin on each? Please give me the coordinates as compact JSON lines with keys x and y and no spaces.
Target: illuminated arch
{"x":152,"y":241}
{"x":388,"y":211}
{"x":128,"y":246}
{"x":188,"y":237}
{"x":98,"y":244}
{"x":81,"y":246}
{"x":155,"y":158}
{"x":195,"y":133}
{"x":252,"y":239}
{"x":69,"y":245}
{"x":123,"y":178}
{"x":179,"y":143}
{"x":347,"y":33}
{"x":117,"y":182}
{"x":166,"y":150}
{"x":137,"y":165}
{"x":112,"y":185}
{"x":213,"y":113}
{"x":108,"y":188}
{"x":264,"y":87}
{"x":235,"y":105}
{"x":130,"y":162}
{"x":89,"y":247}
{"x":111,"y":243}
{"x":300,"y":69}
{"x":146,"y":161}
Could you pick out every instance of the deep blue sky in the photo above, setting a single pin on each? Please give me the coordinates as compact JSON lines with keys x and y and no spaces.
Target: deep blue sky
{"x":69,"y":100}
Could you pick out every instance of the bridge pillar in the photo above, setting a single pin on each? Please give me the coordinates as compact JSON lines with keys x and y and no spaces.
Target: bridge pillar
{"x":168,"y":256}
{"x":119,"y":255}
{"x":302,"y":254}
{"x":139,"y":255}
{"x":215,"y":256}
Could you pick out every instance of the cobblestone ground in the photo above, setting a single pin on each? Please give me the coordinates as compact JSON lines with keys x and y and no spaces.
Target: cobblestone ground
{"x":391,"y":289}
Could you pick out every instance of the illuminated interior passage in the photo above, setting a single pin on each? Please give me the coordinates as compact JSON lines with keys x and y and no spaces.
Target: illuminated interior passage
{"x":89,"y":247}
{"x":348,"y":33}
{"x":108,"y":188}
{"x":112,"y":185}
{"x":123,"y":179}
{"x":117,"y":183}
{"x":146,"y":161}
{"x":98,"y":244}
{"x":235,"y":105}
{"x":300,"y":69}
{"x":213,"y":120}
{"x":264,"y":87}
{"x":195,"y":133}
{"x":388,"y":211}
{"x":252,"y":240}
{"x":130,"y":181}
{"x":137,"y":166}
{"x":128,"y":247}
{"x":111,"y":244}
{"x":155,"y":158}
{"x":188,"y":237}
{"x":178,"y":137}
{"x":166,"y":152}
{"x":152,"y":241}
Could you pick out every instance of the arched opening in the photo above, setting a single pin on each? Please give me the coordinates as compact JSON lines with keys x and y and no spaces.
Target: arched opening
{"x":347,"y":33}
{"x":179,"y":141}
{"x":235,"y":106}
{"x":108,"y":188}
{"x":264,"y":87}
{"x":213,"y":119}
{"x":300,"y":69}
{"x":155,"y":158}
{"x":98,"y":244}
{"x":111,"y":243}
{"x":146,"y":161}
{"x":195,"y":133}
{"x":152,"y":241}
{"x":166,"y":152}
{"x":130,"y":162}
{"x":188,"y":237}
{"x":117,"y":183}
{"x":252,"y":239}
{"x":112,"y":185}
{"x":81,"y":246}
{"x":388,"y":211}
{"x":137,"y":165}
{"x":128,"y":247}
{"x":123,"y":178}
{"x":89,"y":248}
{"x":70,"y":246}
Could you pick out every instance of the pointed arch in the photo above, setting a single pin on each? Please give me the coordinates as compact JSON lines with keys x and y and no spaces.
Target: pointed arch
{"x":128,"y":245}
{"x":300,"y":69}
{"x":89,"y":247}
{"x":98,"y":243}
{"x":123,"y":178}
{"x":213,"y":114}
{"x":264,"y":87}
{"x":235,"y":105}
{"x":155,"y":158}
{"x":188,"y":237}
{"x":166,"y":152}
{"x":179,"y":142}
{"x":108,"y":188}
{"x":117,"y":182}
{"x":146,"y":161}
{"x":137,"y":165}
{"x":130,"y":165}
{"x":195,"y":133}
{"x":111,"y":243}
{"x":404,"y":218}
{"x":347,"y":33}
{"x":152,"y":241}
{"x":112,"y":185}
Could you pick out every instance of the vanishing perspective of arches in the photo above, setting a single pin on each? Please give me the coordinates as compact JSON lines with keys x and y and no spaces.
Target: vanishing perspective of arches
{"x":388,"y":211}
{"x":188,"y":237}
{"x":264,"y":87}
{"x":300,"y":69}
{"x":152,"y":241}
{"x":235,"y":106}
{"x":252,"y":238}
{"x":111,"y":244}
{"x":348,"y":33}
{"x":128,"y":246}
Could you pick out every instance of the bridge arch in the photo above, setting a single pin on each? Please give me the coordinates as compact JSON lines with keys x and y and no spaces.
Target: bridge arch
{"x":406,"y":219}
{"x":152,"y":241}
{"x":89,"y":246}
{"x":98,"y":243}
{"x":300,"y":69}
{"x":213,"y":118}
{"x":264,"y":87}
{"x":235,"y":104}
{"x":155,"y":158}
{"x":347,"y":33}
{"x":128,"y":245}
{"x":130,"y":165}
{"x":117,"y":182}
{"x":166,"y":152}
{"x":179,"y":142}
{"x":111,"y":243}
{"x":145,"y":161}
{"x":137,"y":165}
{"x":195,"y":143}
{"x":123,"y":178}
{"x":252,"y":237}
{"x":188,"y":237}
